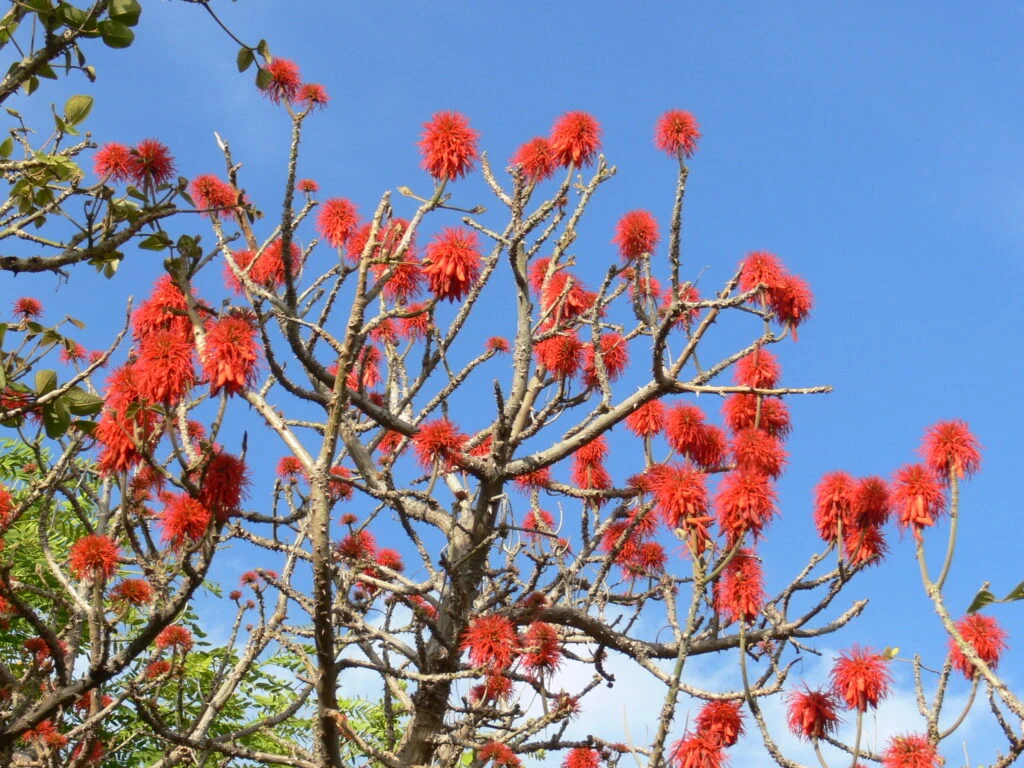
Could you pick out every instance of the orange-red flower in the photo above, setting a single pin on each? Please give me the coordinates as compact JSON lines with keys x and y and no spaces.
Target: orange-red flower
{"x":135,"y":592}
{"x":448,"y":146}
{"x":539,"y":478}
{"x":113,"y":162}
{"x":636,"y":234}
{"x":498,"y":344}
{"x":684,"y":428}
{"x":438,"y":443}
{"x":213,"y":194}
{"x":537,"y":159}
{"x":950,"y":449}
{"x":912,"y":751}
{"x":232,"y":354}
{"x":758,"y":451}
{"x":861,"y":678}
{"x":647,"y":420}
{"x":406,"y":278}
{"x":864,"y":545}
{"x":45,"y":733}
{"x":358,"y":545}
{"x":289,"y":468}
{"x":164,"y":371}
{"x":313,"y":96}
{"x":575,"y":139}
{"x":682,"y":499}
{"x":614,"y":355}
{"x":491,"y":642}
{"x":985,"y":636}
{"x":710,"y":452}
{"x":834,"y":499}
{"x":541,"y":651}
{"x":745,"y":503}
{"x":337,"y":221}
{"x":224,"y":485}
{"x":184,"y":519}
{"x":739,"y":593}
{"x":94,"y":556}
{"x":561,"y":354}
{"x":493,"y":688}
{"x":741,"y":411}
{"x":871,"y":505}
{"x":761,"y":268}
{"x":917,"y":497}
{"x":285,"y":81}
{"x":417,"y":323}
{"x":308,"y":186}
{"x":164,"y":310}
{"x":175,"y":637}
{"x":582,"y":757}
{"x":150,"y":162}
{"x":722,"y":720}
{"x":453,"y":263}
{"x":677,"y":133}
{"x":501,"y":755}
{"x":28,"y":308}
{"x":760,"y":369}
{"x":698,"y":750}
{"x":812,"y":713}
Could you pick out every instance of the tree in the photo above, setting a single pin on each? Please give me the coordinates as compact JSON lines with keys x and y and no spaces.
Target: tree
{"x":547,"y":495}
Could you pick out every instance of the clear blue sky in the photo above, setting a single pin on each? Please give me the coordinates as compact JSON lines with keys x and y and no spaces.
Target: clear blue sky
{"x":875,"y":147}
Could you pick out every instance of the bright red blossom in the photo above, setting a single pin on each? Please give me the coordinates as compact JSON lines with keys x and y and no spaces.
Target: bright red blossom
{"x":582,"y":757}
{"x":761,"y":268}
{"x":135,"y":592}
{"x":232,"y":354}
{"x":537,"y":159}
{"x":722,"y":720}
{"x":285,"y":81}
{"x":745,"y":503}
{"x":757,"y":451}
{"x":501,"y":755}
{"x":28,"y":308}
{"x":224,"y":485}
{"x":739,"y":593}
{"x":950,"y":450}
{"x":834,"y":499}
{"x":871,"y":505}
{"x":575,"y":139}
{"x":918,"y":497}
{"x":210,"y":192}
{"x":682,"y":500}
{"x":491,"y":642}
{"x":911,"y":751}
{"x":647,"y":420}
{"x":164,"y":372}
{"x":812,"y":714}
{"x":150,"y":162}
{"x":985,"y":636}
{"x":614,"y":355}
{"x":561,"y":354}
{"x":313,"y":96}
{"x":438,"y":443}
{"x":861,"y":678}
{"x":699,"y":750}
{"x":113,"y":162}
{"x":94,"y":556}
{"x":184,"y":519}
{"x":636,"y":234}
{"x":541,"y":651}
{"x":448,"y":146}
{"x":453,"y":263}
{"x":760,"y":369}
{"x":677,"y":133}
{"x":176,"y":637}
{"x":741,"y":411}
{"x":337,"y":221}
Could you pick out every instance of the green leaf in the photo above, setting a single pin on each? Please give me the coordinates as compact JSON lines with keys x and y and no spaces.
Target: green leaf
{"x":245,"y":59}
{"x":32,"y":85}
{"x":156,"y":242}
{"x":85,"y":426}
{"x":983,"y":598}
{"x":77,"y":109}
{"x":263,"y":78}
{"x":126,"y":11}
{"x":56,"y":418}
{"x":1017,"y":593}
{"x":47,"y":71}
{"x":115,"y":34}
{"x":82,"y":403}
{"x":7,"y":147}
{"x":39,"y":6}
{"x":263,"y":49}
{"x":77,"y":323}
{"x":3,"y":378}
{"x":46,"y":381}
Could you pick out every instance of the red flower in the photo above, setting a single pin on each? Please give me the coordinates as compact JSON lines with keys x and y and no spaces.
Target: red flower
{"x":417,"y":324}
{"x":150,"y":162}
{"x":501,"y":755}
{"x":757,"y":451}
{"x":563,"y":296}
{"x":45,"y":733}
{"x":313,"y":95}
{"x":711,"y":450}
{"x":337,"y":221}
{"x":682,"y":499}
{"x":307,"y":186}
{"x":575,"y":139}
{"x":184,"y":519}
{"x":791,"y":301}
{"x":761,"y":268}
{"x":541,"y":651}
{"x":448,"y":146}
{"x":676,"y":133}
{"x":636,"y":234}
{"x":75,"y":354}
{"x":739,"y":593}
{"x":498,"y":344}
{"x":113,"y":161}
{"x":285,"y":81}
{"x":540,"y":478}
{"x":582,"y":757}
{"x":212,"y":193}
{"x":438,"y":443}
{"x":494,"y":688}
{"x":491,"y":642}
{"x":647,"y":420}
{"x":614,"y":355}
{"x":135,"y":592}
{"x":537,"y":159}
{"x":163,"y":371}
{"x":812,"y":714}
{"x":950,"y":449}
{"x":686,"y":294}
{"x":871,"y":505}
{"x":339,"y":485}
{"x":289,"y":468}
{"x":860,"y":678}
{"x":591,"y":477}
{"x":700,"y":750}
{"x":740,"y":412}
{"x":911,"y":752}
{"x":453,"y":263}
{"x":94,"y":556}
{"x":864,"y":545}
{"x":760,"y":369}
{"x":745,"y":502}
{"x":834,"y":499}
{"x":917,"y":497}
{"x":984,"y":635}
{"x":721,"y":719}
{"x":389,"y":558}
{"x":358,"y":545}
{"x":164,"y":310}
{"x":561,"y":354}
{"x":176,"y":637}
{"x":406,"y":278}
{"x":268,"y":269}
{"x":684,"y":428}
{"x":592,"y":453}
{"x":232,"y":354}
{"x":224,"y":485}
{"x":157,"y":668}
{"x":28,"y":308}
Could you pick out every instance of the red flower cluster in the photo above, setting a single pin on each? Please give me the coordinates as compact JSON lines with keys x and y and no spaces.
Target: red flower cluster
{"x":647,"y":420}
{"x":223,"y":485}
{"x":448,"y":146}
{"x":453,"y":263}
{"x":28,"y":308}
{"x":175,"y":637}
{"x":739,"y":593}
{"x":541,"y":651}
{"x":285,"y":81}
{"x":537,"y":159}
{"x":984,"y":635}
{"x":681,"y":497}
{"x":614,"y":355}
{"x":676,"y":133}
{"x":337,"y":221}
{"x":491,"y":642}
{"x":788,"y":296}
{"x":438,"y":444}
{"x":861,"y":678}
{"x":231,"y":356}
{"x":911,"y":751}
{"x":918,"y":497}
{"x":575,"y":139}
{"x":94,"y":556}
{"x":136,"y":592}
{"x":950,"y":450}
{"x":722,"y":720}
{"x":812,"y":714}
{"x":184,"y":520}
{"x":636,"y":234}
{"x":218,"y":197}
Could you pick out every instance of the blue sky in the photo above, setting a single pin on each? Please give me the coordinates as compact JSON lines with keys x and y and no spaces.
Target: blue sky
{"x":875,"y":147}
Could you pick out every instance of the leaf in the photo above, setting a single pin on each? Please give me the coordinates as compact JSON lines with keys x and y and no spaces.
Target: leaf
{"x":155,"y":242}
{"x":46,"y":381}
{"x":263,"y":49}
{"x":245,"y":59}
{"x":82,"y":403}
{"x":77,"y":323}
{"x":115,"y":34}
{"x":263,"y":78}
{"x":77,"y":109}
{"x":56,"y":418}
{"x":47,"y":71}
{"x":126,"y":11}
{"x":7,"y":147}
{"x":983,"y":598}
{"x":1017,"y":593}
{"x":85,"y":426}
